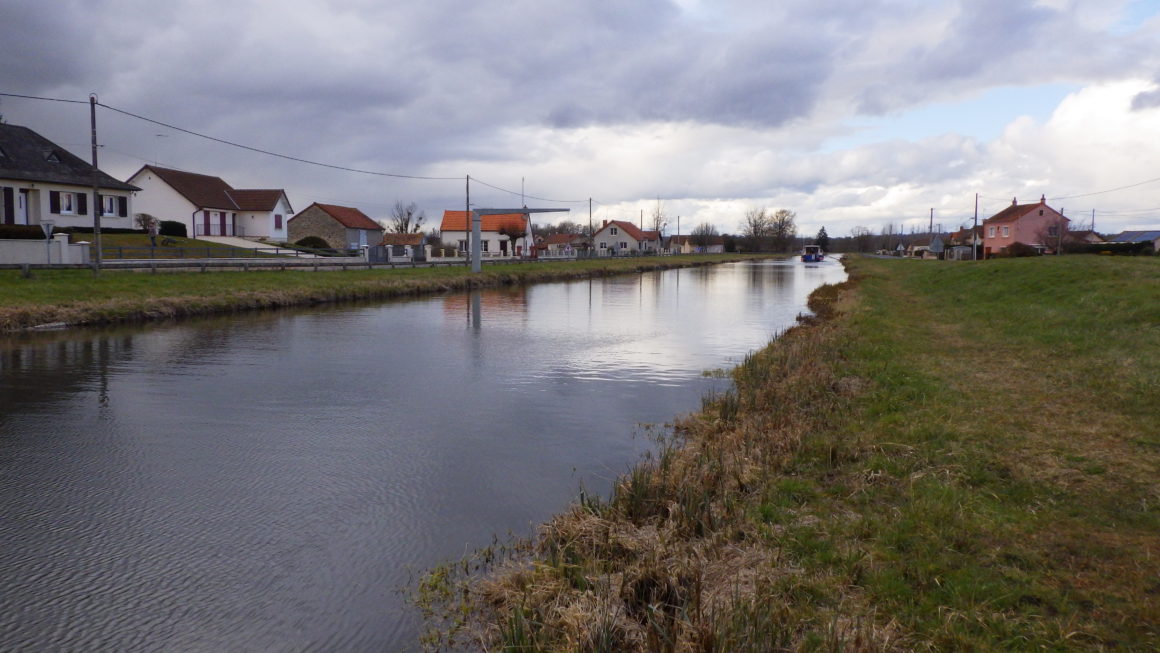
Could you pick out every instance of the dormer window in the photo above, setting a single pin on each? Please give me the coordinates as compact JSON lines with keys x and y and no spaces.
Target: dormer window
{"x":52,"y":157}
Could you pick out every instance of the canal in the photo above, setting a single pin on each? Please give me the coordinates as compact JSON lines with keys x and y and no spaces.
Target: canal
{"x":272,"y":481}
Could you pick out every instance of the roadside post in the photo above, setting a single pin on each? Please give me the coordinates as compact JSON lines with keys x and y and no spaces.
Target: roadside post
{"x":47,"y":225}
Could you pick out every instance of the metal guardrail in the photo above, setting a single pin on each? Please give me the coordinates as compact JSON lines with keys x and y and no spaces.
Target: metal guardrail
{"x":151,"y":253}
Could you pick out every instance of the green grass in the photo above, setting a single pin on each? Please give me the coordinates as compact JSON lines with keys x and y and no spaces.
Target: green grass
{"x":963,"y":458}
{"x":79,"y":297}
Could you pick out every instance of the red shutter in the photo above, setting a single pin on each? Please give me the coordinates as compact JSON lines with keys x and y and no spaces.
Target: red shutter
{"x":54,"y":201}
{"x":277,"y":220}
{"x":82,"y":204}
{"x":123,"y":207}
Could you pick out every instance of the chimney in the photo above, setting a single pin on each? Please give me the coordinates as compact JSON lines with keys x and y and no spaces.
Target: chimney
{"x":604,"y":225}
{"x":1043,"y":199}
{"x":1013,"y":202}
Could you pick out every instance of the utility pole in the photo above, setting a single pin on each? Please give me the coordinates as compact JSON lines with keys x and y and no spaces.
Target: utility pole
{"x":466,"y":217}
{"x":974,"y":231}
{"x":1093,"y":221}
{"x":589,"y":217}
{"x":930,"y":229}
{"x":96,"y":184}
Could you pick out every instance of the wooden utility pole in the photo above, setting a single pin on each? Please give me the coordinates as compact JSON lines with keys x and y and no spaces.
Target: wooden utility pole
{"x":974,"y":232}
{"x":96,"y":184}
{"x":466,"y":217}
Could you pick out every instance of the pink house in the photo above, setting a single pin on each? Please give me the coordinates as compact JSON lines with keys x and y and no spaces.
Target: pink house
{"x":1035,"y":225}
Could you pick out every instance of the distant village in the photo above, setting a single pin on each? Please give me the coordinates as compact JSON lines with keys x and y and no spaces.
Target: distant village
{"x":44,"y":185}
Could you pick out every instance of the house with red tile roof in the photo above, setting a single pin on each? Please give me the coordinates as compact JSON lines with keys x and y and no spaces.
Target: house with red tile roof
{"x":505,"y":235}
{"x":620,"y":238}
{"x":342,"y":227}
{"x":1035,"y":225}
{"x":562,"y":245}
{"x":211,"y":207}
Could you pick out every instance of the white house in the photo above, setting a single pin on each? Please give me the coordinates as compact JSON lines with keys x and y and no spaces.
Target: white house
{"x":697,"y":244}
{"x":209,"y":206}
{"x":619,"y":238}
{"x":43,"y":182}
{"x":502,"y":236}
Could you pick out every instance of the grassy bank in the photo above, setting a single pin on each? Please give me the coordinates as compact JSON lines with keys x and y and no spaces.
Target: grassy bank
{"x":956,"y":457}
{"x":76,"y":297}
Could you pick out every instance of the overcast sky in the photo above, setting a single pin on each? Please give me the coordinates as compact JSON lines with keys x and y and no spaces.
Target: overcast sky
{"x":855,"y":113}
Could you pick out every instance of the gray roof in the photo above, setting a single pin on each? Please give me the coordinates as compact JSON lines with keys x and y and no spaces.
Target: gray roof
{"x":28,"y":156}
{"x":1135,"y":236}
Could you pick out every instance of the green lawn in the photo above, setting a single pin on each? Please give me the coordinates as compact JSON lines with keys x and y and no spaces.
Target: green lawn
{"x":965,"y":456}
{"x":79,"y":297}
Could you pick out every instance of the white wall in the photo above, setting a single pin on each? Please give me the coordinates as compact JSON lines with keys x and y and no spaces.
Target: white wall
{"x":159,"y":200}
{"x":37,"y":251}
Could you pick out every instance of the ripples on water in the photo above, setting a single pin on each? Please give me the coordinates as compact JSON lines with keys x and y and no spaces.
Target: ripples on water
{"x":268,"y":482}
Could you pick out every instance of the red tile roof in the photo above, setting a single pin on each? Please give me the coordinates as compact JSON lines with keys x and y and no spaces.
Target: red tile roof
{"x":457,"y":221}
{"x":402,"y":239}
{"x":560,"y":239}
{"x":348,"y":217}
{"x":632,"y":230}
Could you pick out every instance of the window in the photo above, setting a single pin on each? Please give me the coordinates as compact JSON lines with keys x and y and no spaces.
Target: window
{"x":603,"y":245}
{"x":108,"y":205}
{"x":990,"y":232}
{"x":277,"y":220}
{"x":68,"y":203}
{"x":463,"y":245}
{"x":613,"y":231}
{"x":483,"y":247}
{"x":623,"y":245}
{"x":1053,"y":230}
{"x":1006,"y":231}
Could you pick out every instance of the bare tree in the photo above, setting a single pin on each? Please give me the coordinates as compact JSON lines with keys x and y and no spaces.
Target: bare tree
{"x":703,"y":234}
{"x":862,"y":239}
{"x":756,"y":228}
{"x":561,"y":227}
{"x":406,"y":218}
{"x":657,"y":217}
{"x":513,"y":232}
{"x":782,"y":229}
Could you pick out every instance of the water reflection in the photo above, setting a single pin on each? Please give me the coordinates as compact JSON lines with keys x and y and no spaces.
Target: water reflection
{"x":266,"y":482}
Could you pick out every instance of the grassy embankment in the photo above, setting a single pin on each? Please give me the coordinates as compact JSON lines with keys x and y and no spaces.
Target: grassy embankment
{"x":959,"y":456}
{"x":77,"y":297}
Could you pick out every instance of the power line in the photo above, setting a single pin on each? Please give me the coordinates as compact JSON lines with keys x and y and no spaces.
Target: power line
{"x":273,"y":154}
{"x":46,"y":99}
{"x":533,"y":197}
{"x":1110,"y":190}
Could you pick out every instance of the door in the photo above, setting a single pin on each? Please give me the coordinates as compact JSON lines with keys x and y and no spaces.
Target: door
{"x":22,"y":206}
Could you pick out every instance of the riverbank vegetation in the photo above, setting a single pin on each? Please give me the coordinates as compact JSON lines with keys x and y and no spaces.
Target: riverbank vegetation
{"x":75,"y":297}
{"x":951,"y":456}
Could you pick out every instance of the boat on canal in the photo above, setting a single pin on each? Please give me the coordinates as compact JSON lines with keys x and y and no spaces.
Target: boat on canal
{"x":812,"y":254}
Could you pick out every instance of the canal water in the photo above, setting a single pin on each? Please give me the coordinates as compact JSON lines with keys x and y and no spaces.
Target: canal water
{"x":271,"y":481}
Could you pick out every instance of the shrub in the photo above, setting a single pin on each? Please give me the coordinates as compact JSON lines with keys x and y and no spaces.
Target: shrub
{"x":173,"y":228}
{"x":313,"y":242}
{"x":21,"y":232}
{"x":1017,"y":249}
